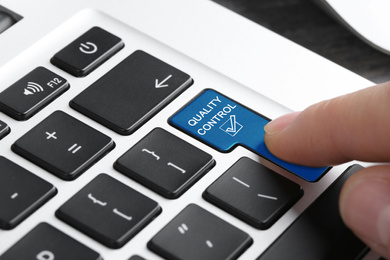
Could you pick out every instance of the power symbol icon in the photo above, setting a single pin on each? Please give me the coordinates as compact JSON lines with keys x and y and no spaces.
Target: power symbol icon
{"x":45,"y":255}
{"x":88,"y":48}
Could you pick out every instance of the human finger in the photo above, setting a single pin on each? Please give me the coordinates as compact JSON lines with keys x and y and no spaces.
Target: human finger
{"x":365,"y":207}
{"x":350,"y":127}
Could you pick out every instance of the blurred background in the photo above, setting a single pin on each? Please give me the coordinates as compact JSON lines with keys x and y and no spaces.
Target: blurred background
{"x":304,"y":23}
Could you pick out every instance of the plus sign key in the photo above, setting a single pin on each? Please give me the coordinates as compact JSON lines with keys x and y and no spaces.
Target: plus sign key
{"x":63,"y":145}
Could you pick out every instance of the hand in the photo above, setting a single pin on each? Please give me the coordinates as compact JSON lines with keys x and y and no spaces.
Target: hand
{"x":351,"y":127}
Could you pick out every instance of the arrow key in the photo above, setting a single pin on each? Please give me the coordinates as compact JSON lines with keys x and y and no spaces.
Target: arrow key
{"x":131,"y":93}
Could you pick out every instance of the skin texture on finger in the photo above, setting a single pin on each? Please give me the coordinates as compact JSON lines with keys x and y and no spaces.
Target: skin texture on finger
{"x":351,"y":127}
{"x":365,"y":207}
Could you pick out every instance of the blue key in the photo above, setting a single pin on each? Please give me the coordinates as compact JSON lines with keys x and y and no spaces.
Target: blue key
{"x":224,"y":124}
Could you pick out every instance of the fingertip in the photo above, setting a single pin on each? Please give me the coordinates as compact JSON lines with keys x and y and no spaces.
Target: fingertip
{"x":365,"y":206}
{"x":346,"y":194}
{"x":349,"y":127}
{"x":274,"y":134}
{"x":280,"y":123}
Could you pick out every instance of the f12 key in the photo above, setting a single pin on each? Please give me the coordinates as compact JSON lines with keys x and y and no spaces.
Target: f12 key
{"x":31,"y":93}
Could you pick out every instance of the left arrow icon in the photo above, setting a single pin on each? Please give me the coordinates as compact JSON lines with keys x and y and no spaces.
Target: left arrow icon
{"x":161,"y":84}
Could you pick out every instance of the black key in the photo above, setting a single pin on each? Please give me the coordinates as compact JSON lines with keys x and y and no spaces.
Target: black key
{"x":131,"y":93}
{"x":8,"y":18}
{"x":136,"y":257}
{"x":109,"y":211}
{"x":45,"y":242}
{"x":253,"y":193}
{"x":21,"y":193}
{"x":319,"y":233}
{"x":87,"y":52}
{"x":63,"y":145}
{"x":165,"y":163}
{"x":4,"y":129}
{"x":31,"y":93}
{"x":197,"y":234}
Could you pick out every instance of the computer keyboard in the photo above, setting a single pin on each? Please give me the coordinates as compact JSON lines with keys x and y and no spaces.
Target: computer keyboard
{"x":107,"y":152}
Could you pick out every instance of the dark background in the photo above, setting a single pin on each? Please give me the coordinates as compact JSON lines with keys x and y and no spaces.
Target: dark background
{"x":303,"y":22}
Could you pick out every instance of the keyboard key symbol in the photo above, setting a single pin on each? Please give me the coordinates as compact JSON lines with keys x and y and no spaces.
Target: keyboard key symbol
{"x":231,"y":126}
{"x":88,"y":48}
{"x":267,"y":197}
{"x":32,"y":88}
{"x":209,"y":244}
{"x":183,"y":228}
{"x":176,"y":167}
{"x":161,"y":84}
{"x":128,"y":218}
{"x":74,"y":148}
{"x":96,"y":201}
{"x":151,"y":153}
{"x":45,"y":255}
{"x":51,"y":135}
{"x":14,"y":195}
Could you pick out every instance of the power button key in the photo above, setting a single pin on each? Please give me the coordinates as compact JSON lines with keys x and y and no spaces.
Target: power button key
{"x":87,"y":52}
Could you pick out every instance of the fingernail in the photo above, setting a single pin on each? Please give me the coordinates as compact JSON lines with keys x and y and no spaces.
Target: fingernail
{"x":365,"y":207}
{"x":280,"y":123}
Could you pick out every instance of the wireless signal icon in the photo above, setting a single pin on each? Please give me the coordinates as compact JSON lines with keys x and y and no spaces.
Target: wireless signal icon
{"x":32,"y":88}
